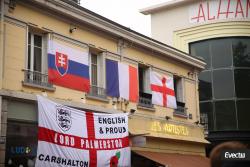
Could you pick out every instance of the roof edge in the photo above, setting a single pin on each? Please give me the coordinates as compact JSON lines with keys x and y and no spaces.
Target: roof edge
{"x":165,"y":5}
{"x":100,"y":22}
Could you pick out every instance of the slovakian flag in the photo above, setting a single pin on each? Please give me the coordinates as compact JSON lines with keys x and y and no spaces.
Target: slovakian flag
{"x":68,"y":137}
{"x":162,"y":87}
{"x":122,"y":80}
{"x":68,"y":67}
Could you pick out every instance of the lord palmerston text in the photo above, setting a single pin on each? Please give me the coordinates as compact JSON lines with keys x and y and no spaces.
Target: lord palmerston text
{"x":52,"y":136}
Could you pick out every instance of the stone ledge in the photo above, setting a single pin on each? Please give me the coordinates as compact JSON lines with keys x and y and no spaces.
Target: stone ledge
{"x":97,"y":98}
{"x":38,"y":86}
{"x":145,"y":108}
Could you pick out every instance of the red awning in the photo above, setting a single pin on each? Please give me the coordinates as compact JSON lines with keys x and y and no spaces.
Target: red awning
{"x":176,"y":160}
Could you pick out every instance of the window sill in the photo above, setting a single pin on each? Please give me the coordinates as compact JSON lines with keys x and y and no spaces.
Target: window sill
{"x":180,"y":115}
{"x":88,"y":96}
{"x":38,"y":86}
{"x":145,"y":108}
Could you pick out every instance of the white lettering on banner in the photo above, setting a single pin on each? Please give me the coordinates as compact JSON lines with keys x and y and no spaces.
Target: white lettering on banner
{"x":64,"y":140}
{"x":70,"y":137}
{"x":218,"y":10}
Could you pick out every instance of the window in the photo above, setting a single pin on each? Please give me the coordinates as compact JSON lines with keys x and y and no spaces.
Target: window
{"x":223,"y":84}
{"x":241,"y":52}
{"x":206,"y":110}
{"x":243,"y":114}
{"x":225,"y":115}
{"x":35,"y":50}
{"x":178,"y":88}
{"x":145,"y":96}
{"x":201,"y":49}
{"x":35,"y":73}
{"x":221,"y":53}
{"x":242,"y":83}
{"x":205,"y":86}
{"x":179,"y":94}
{"x":97,"y":74}
{"x":94,"y":69}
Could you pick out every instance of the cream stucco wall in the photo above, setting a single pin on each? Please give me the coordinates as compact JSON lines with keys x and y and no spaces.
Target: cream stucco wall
{"x":165,"y":22}
{"x":172,"y":26}
{"x":16,"y":28}
{"x":16,"y":38}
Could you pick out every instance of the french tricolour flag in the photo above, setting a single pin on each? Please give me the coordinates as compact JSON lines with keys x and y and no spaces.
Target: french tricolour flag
{"x":122,"y":80}
{"x":68,"y":67}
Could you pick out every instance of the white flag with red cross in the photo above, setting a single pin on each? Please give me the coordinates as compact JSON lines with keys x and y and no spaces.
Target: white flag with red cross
{"x":162,"y":87}
{"x":70,"y":137}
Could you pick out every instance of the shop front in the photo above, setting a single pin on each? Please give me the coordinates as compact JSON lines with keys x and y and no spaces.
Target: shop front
{"x":162,"y":143}
{"x":167,"y":143}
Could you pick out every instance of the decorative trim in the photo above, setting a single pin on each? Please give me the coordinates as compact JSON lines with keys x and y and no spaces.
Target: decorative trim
{"x":85,"y":16}
{"x":38,"y":86}
{"x":80,"y":105}
{"x":91,"y":97}
{"x":145,"y":108}
{"x":184,"y":115}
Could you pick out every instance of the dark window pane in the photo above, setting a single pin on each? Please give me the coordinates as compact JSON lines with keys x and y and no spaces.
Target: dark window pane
{"x":37,"y":59}
{"x":93,"y":59}
{"x":205,"y":86}
{"x":94,"y":69}
{"x":29,"y":56}
{"x":201,"y":49}
{"x":242,"y":83}
{"x":141,"y":79}
{"x":243,"y":114}
{"x":29,"y":38}
{"x":225,"y":115}
{"x":241,"y":52}
{"x":223,"y":84}
{"x":207,"y":108}
{"x":221,"y":53}
{"x":38,"y":40}
{"x":94,"y":75}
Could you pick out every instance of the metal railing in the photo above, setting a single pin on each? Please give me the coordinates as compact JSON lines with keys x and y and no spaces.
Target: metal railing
{"x":180,"y":110}
{"x":145,"y":102}
{"x":97,"y":91}
{"x":36,"y":78}
{"x":204,"y":122}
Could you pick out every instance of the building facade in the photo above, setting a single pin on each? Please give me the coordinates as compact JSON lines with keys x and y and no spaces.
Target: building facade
{"x":155,"y":131}
{"x":219,"y":32}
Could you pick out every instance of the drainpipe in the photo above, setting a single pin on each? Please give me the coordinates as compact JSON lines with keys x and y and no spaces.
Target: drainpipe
{"x":1,"y":57}
{"x":1,"y":43}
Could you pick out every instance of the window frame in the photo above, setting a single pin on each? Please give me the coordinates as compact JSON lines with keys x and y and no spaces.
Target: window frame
{"x":44,"y":67}
{"x":101,"y":79}
{"x":179,"y":85}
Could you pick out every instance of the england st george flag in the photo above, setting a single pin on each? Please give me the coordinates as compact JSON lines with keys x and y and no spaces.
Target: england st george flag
{"x":71,"y":137}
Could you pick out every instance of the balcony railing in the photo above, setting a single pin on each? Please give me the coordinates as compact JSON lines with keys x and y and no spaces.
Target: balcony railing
{"x":181,"y":110}
{"x":35,"y":78}
{"x":204,"y":122}
{"x":97,"y":92}
{"x":145,"y":100}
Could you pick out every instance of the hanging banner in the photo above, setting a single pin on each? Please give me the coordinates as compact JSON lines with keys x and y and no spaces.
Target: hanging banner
{"x":71,"y":137}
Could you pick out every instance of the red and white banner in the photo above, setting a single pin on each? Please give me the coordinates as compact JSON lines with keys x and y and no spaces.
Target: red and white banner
{"x":162,"y":88}
{"x":71,"y":137}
